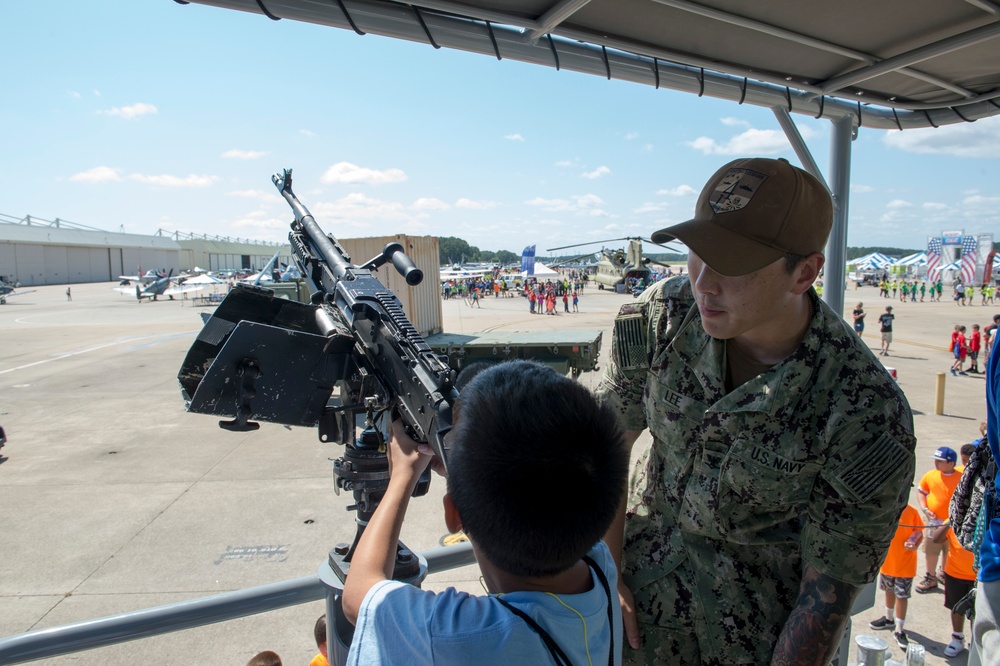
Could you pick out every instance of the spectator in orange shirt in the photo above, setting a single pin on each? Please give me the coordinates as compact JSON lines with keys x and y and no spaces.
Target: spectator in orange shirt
{"x":959,"y":579}
{"x":897,"y":573}
{"x":319,"y":633}
{"x":934,"y":495}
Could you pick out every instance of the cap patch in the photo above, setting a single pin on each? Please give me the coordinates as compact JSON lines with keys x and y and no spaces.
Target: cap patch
{"x":735,"y":189}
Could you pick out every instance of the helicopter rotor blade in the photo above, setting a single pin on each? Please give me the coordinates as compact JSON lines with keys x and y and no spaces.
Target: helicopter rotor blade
{"x":606,"y":240}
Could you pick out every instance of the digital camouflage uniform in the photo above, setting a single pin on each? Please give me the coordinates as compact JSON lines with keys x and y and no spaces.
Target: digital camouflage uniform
{"x":811,"y":461}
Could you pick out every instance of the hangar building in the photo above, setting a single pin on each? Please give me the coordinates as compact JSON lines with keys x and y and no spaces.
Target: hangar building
{"x":34,"y":251}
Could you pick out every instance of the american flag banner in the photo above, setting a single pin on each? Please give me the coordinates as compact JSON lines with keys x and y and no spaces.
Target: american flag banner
{"x":934,"y":258}
{"x":970,"y":252}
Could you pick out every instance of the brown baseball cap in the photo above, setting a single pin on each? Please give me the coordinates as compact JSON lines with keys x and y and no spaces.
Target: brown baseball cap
{"x":751,"y":213}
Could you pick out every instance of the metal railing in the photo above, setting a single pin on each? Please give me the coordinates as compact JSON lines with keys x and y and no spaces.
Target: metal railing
{"x":105,"y":631}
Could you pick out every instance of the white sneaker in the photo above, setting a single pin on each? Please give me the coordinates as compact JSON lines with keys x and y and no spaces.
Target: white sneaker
{"x":954,"y":648}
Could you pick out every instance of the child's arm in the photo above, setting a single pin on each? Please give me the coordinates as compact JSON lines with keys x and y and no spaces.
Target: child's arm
{"x":375,"y":555}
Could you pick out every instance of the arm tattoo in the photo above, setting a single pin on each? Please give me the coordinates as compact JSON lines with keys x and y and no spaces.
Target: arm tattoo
{"x":816,"y":624}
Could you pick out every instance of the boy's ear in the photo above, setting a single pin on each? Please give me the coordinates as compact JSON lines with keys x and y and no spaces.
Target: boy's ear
{"x":451,"y":518}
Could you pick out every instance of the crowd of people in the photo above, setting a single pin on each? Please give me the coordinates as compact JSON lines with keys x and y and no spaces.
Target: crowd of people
{"x":948,"y":565}
{"x":913,"y":290}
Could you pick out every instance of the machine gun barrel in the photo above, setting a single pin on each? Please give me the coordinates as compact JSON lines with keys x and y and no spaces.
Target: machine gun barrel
{"x":413,"y":380}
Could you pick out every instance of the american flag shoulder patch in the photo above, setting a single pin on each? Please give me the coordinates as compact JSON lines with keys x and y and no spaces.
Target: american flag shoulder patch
{"x":871,"y":467}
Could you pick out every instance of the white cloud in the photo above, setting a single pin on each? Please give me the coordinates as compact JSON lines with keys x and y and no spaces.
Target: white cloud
{"x":101,"y":174}
{"x":650,"y":207}
{"x":978,"y":139}
{"x":977,"y":200}
{"x":933,"y":205}
{"x":130,"y":112}
{"x":429,"y":203}
{"x":575,"y":162}
{"x":357,"y":206}
{"x":596,"y":173}
{"x":74,"y":94}
{"x":259,"y":219}
{"x":734,"y":122}
{"x":260,"y":195}
{"x":308,"y":133}
{"x":345,"y":172}
{"x":471,"y":204}
{"x":862,"y":189}
{"x":585,"y":205}
{"x":244,"y":154}
{"x":750,"y":142}
{"x":679,"y":191}
{"x":631,"y":136}
{"x":897,"y":204}
{"x":514,"y":137}
{"x":647,"y":148}
{"x":166,"y":180}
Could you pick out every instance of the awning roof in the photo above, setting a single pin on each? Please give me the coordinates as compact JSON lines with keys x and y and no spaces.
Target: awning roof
{"x":888,"y":64}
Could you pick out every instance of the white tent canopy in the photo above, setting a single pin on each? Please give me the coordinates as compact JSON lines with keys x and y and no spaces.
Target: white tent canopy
{"x":917,"y":259}
{"x":542,"y":272}
{"x":873,"y":260}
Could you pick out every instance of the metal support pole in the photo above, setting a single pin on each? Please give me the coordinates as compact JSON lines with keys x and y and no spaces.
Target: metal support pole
{"x":835,"y":271}
{"x":115,"y":629}
{"x":798,"y":143}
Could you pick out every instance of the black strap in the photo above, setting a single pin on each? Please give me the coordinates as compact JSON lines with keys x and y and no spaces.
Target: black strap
{"x":607,"y":590}
{"x":557,"y":654}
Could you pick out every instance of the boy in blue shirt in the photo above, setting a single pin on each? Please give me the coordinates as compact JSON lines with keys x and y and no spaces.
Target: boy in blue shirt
{"x":536,"y":471}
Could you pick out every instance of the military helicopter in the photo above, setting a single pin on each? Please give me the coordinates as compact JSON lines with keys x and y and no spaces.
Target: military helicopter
{"x":615,"y":267}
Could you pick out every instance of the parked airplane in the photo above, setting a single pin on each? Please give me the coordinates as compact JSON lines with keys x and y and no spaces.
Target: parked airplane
{"x":149,"y":276}
{"x":161,"y":287}
{"x":10,"y":290}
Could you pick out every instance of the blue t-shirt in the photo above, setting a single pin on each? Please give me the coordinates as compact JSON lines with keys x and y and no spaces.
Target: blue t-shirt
{"x":401,"y":624}
{"x":989,"y":554}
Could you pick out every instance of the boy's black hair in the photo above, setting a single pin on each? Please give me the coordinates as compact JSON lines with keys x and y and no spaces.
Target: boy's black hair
{"x":968,"y":449}
{"x":319,"y":630}
{"x":537,"y":468}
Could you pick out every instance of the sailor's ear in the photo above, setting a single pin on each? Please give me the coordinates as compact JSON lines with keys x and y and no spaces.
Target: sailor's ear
{"x":807,"y":271}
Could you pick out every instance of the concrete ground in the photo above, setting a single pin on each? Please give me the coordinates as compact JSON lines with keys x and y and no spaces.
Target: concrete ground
{"x":113,"y":498}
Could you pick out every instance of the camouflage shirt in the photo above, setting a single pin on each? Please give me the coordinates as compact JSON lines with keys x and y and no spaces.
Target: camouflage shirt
{"x":809,"y":462}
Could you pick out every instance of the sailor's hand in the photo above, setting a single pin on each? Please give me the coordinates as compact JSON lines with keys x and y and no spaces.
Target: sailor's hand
{"x":405,"y":458}
{"x":631,"y":626}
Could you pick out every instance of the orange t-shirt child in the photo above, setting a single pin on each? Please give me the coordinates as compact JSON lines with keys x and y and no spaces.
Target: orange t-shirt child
{"x":960,"y":561}
{"x":939,"y":488}
{"x":900,"y":562}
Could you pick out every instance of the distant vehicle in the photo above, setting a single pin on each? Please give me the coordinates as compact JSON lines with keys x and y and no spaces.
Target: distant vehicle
{"x":617,"y":267}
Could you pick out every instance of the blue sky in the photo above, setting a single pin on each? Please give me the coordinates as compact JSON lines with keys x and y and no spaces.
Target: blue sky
{"x":146,"y":115}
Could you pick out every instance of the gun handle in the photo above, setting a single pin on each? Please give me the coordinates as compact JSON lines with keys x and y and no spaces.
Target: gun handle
{"x":394,"y":252}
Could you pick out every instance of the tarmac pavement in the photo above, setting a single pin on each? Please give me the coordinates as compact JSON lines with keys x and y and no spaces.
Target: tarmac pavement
{"x":113,"y":498}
